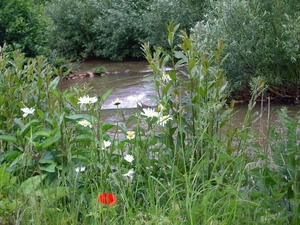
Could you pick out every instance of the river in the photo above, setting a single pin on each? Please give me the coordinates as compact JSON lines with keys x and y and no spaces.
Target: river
{"x":132,"y":82}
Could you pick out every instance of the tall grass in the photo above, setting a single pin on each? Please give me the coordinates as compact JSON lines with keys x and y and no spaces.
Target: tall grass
{"x":182,"y":162}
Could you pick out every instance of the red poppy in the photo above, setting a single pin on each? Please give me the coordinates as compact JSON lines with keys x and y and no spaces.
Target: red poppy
{"x":107,"y":198}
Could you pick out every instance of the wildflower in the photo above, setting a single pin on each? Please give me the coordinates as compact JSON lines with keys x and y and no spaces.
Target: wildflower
{"x":129,"y":158}
{"x":107,"y":199}
{"x":106,"y":144}
{"x":150,"y":113}
{"x":87,"y":100}
{"x":164,"y":119}
{"x":80,"y":169}
{"x":160,"y":108}
{"x":130,"y":135}
{"x":116,"y":102}
{"x":85,"y":123}
{"x":137,"y":99}
{"x":166,"y":77}
{"x":129,"y":174}
{"x":27,"y":111}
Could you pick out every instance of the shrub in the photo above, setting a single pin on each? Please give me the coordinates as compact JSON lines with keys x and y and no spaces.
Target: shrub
{"x":262,"y":39}
{"x":115,"y":29}
{"x":22,"y":26}
{"x":99,"y":70}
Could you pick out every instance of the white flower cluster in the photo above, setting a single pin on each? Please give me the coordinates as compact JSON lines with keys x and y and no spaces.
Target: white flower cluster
{"x":151,"y":113}
{"x":87,"y":100}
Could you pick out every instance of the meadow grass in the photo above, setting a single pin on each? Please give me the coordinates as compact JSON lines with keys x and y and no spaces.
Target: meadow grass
{"x":182,"y":162}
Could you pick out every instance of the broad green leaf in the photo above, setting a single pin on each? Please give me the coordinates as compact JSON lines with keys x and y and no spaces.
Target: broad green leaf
{"x":54,"y":84}
{"x":106,"y":95}
{"x":8,"y":138}
{"x":31,"y":184}
{"x":40,"y":133}
{"x":83,"y":138}
{"x":52,"y":195}
{"x":49,"y":168}
{"x":51,"y":140}
{"x":27,"y":125}
{"x":80,"y":117}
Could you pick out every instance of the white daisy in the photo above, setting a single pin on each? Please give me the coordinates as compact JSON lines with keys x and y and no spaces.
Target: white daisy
{"x":129,"y":174}
{"x":106,"y":144}
{"x":80,"y":169}
{"x":160,"y":108}
{"x":130,"y":135}
{"x":27,"y":111}
{"x":166,"y":77}
{"x":85,"y":123}
{"x":149,"y":112}
{"x":164,"y":119}
{"x":137,"y":99}
{"x":129,"y":158}
{"x":87,"y":100}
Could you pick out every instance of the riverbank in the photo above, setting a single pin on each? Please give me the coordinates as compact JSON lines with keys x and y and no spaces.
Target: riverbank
{"x":273,"y":94}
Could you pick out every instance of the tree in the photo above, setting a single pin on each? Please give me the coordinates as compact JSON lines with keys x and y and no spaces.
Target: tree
{"x":262,"y":39}
{"x":23,"y":26}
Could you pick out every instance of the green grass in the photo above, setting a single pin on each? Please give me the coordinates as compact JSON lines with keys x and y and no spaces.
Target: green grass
{"x":190,"y":166}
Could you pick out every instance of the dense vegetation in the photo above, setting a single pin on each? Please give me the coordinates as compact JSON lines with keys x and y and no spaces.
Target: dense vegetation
{"x":183,"y":162}
{"x":262,"y":38}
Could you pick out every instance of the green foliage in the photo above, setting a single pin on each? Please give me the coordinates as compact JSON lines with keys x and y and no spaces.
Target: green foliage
{"x":262,"y":39}
{"x":71,"y":30}
{"x":7,"y":204}
{"x":22,"y":26}
{"x":99,"y":70}
{"x":115,"y":29}
{"x":188,"y":164}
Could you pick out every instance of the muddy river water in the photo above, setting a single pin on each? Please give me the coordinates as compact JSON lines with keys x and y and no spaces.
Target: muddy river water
{"x":132,"y":82}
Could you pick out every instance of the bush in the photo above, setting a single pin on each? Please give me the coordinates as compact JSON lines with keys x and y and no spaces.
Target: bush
{"x":262,"y":39}
{"x":71,"y":34}
{"x":22,"y":26}
{"x":182,"y":162}
{"x":99,"y":70}
{"x":115,"y":29}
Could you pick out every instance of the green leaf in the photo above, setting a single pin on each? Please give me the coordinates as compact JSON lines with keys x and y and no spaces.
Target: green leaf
{"x":50,"y":168}
{"x":83,"y":138}
{"x":40,"y":133}
{"x":30,"y":185}
{"x":8,"y":138}
{"x":52,"y":195}
{"x":106,"y":95}
{"x":51,"y":140}
{"x":27,"y":125}
{"x":54,"y":84}
{"x":77,"y":117}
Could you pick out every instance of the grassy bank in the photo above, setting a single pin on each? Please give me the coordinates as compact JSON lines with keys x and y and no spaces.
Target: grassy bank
{"x":180,"y":163}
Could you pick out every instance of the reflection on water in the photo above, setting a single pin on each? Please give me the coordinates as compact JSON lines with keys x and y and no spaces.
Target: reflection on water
{"x":123,"y":85}
{"x":133,"y":83}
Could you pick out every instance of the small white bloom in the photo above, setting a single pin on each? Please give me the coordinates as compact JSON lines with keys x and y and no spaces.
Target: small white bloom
{"x":87,"y":100}
{"x":85,"y":123}
{"x":27,"y":111}
{"x":160,"y":108}
{"x":130,"y":135}
{"x":166,"y":77}
{"x":129,"y":174}
{"x":164,"y":119}
{"x":106,"y":144}
{"x":137,"y":99}
{"x":80,"y":169}
{"x":116,"y":102}
{"x":129,"y":158}
{"x":150,"y":113}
